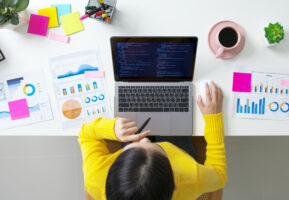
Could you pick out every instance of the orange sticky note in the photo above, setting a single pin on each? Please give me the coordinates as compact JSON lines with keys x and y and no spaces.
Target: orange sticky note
{"x":52,"y":14}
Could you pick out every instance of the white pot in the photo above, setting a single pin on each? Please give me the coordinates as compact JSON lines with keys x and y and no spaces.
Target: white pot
{"x":23,"y":19}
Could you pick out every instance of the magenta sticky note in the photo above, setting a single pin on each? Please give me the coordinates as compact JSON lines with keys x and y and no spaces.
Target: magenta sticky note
{"x":94,"y":74}
{"x":18,"y":109}
{"x":242,"y":82}
{"x":285,"y":83}
{"x":58,"y":37}
{"x":38,"y":25}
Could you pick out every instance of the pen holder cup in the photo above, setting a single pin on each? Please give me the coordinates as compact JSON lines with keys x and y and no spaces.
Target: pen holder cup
{"x":106,"y":12}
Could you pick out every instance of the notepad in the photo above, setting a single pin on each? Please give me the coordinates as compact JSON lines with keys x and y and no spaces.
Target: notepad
{"x":71,"y":23}
{"x":242,"y":82}
{"x":62,"y":9}
{"x":38,"y":25}
{"x":52,"y":14}
{"x":94,"y":74}
{"x":18,"y":109}
{"x":285,"y":82}
{"x":58,"y":37}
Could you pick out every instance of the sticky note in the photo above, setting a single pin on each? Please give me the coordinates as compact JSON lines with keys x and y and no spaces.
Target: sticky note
{"x":52,"y":14}
{"x":242,"y":82}
{"x":18,"y":109}
{"x":58,"y":37}
{"x":62,"y":9}
{"x":94,"y":74}
{"x":285,"y":82}
{"x":38,"y":25}
{"x":71,"y":23}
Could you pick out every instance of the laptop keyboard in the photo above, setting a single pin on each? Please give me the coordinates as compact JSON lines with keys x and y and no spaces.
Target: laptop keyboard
{"x":153,"y":98}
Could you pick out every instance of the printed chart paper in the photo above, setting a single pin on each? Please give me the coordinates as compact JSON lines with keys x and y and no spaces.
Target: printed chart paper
{"x":80,"y":98}
{"x":23,"y":100}
{"x":268,"y":97}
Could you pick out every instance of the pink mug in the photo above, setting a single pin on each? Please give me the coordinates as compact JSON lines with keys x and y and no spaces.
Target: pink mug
{"x":231,"y":45}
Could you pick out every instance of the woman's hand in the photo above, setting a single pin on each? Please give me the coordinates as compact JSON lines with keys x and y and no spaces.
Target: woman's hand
{"x":214,"y":101}
{"x":125,"y":130}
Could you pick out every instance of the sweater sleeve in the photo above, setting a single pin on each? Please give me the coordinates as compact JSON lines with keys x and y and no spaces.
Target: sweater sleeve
{"x":95,"y":154}
{"x":213,"y":175}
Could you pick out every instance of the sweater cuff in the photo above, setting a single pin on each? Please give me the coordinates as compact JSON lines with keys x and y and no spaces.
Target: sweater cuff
{"x":214,"y":130}
{"x":106,"y":130}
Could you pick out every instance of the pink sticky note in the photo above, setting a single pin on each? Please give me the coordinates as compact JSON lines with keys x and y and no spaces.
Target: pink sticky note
{"x":38,"y":25}
{"x":58,"y":37}
{"x":242,"y":82}
{"x":18,"y":109}
{"x":94,"y":74}
{"x":285,"y":82}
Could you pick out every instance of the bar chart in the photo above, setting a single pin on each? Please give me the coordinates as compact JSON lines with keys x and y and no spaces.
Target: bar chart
{"x":251,"y":107}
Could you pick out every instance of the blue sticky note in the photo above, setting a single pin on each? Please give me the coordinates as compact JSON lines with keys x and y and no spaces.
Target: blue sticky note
{"x":62,"y":9}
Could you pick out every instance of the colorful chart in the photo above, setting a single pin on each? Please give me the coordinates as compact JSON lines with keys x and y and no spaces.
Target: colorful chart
{"x":72,"y":82}
{"x":71,"y":109}
{"x":29,"y":89}
{"x":268,"y":98}
{"x":23,"y":100}
{"x":81,"y":70}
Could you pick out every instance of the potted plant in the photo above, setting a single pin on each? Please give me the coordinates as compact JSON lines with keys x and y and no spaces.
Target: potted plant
{"x":13,"y":14}
{"x":274,"y":33}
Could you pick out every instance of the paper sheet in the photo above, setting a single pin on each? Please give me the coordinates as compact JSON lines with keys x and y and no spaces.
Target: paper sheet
{"x":62,"y":9}
{"x":23,"y":100}
{"x":71,"y":23}
{"x":38,"y":25}
{"x":80,"y":99}
{"x":52,"y":14}
{"x":268,"y":97}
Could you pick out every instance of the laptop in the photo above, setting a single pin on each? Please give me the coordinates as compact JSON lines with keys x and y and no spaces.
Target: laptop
{"x":153,"y":78}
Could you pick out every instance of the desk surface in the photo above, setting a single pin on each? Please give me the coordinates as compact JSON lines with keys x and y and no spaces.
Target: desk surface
{"x":158,"y":18}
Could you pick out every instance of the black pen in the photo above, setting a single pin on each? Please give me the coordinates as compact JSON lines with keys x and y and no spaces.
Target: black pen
{"x":143,"y":126}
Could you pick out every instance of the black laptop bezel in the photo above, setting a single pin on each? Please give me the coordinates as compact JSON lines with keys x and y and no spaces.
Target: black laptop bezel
{"x":114,"y":40}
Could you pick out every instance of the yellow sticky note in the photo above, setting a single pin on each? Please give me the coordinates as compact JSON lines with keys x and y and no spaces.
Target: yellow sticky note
{"x":51,"y":13}
{"x":71,"y":23}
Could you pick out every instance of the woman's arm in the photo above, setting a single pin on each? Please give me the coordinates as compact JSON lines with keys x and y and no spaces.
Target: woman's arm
{"x":95,"y":154}
{"x":213,"y":173}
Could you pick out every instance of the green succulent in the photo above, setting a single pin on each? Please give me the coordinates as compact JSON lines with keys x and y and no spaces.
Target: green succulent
{"x":9,"y":10}
{"x":274,"y":33}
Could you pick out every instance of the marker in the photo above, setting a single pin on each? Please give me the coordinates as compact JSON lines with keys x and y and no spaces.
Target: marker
{"x":143,"y":126}
{"x":89,"y":13}
{"x":101,"y":4}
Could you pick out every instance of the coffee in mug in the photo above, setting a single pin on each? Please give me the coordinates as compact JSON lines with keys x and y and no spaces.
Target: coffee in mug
{"x":228,"y":37}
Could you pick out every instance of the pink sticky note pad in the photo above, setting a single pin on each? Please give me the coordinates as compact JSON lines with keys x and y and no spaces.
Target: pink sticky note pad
{"x":94,"y":74}
{"x":18,"y":109}
{"x":285,"y":83}
{"x":58,"y":37}
{"x":242,"y":82}
{"x":38,"y":25}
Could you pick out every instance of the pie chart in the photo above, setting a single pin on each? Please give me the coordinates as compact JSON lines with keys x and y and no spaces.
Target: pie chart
{"x":71,"y":109}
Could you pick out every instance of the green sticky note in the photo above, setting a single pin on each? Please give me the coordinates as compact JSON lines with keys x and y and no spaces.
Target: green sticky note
{"x":71,"y":23}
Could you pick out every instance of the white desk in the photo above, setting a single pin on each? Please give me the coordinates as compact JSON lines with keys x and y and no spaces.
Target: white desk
{"x":158,"y":18}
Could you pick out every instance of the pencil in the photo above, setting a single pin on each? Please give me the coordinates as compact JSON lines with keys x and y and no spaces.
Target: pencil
{"x":143,"y":126}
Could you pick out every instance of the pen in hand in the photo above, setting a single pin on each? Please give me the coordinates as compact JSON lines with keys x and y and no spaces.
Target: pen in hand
{"x":143,"y":126}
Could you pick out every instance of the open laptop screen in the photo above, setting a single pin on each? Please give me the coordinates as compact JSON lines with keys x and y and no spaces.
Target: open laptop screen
{"x":153,"y":59}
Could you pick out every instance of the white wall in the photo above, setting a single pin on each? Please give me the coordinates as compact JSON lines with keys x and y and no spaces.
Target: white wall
{"x":49,"y":168}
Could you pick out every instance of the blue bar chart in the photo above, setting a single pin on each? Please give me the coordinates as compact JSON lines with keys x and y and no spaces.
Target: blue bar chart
{"x":251,"y":107}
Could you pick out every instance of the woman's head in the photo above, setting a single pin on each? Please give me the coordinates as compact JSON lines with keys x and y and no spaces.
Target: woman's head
{"x":141,"y":172}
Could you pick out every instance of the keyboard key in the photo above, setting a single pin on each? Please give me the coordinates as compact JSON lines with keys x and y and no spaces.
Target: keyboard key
{"x":151,"y":109}
{"x":184,"y":100}
{"x":166,"y":110}
{"x":123,"y":105}
{"x":183,"y":105}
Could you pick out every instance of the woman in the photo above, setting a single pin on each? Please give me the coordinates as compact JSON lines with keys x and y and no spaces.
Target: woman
{"x":143,"y":170}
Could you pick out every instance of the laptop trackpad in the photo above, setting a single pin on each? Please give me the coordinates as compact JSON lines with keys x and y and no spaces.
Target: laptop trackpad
{"x":159,"y":123}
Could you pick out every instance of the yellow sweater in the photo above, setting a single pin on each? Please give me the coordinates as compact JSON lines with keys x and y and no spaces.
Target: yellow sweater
{"x":191,"y":178}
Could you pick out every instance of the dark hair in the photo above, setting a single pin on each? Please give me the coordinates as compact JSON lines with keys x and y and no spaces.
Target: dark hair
{"x":138,"y":174}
